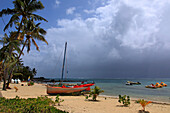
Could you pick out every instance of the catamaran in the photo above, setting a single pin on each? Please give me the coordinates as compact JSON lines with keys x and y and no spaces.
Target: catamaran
{"x":62,"y":89}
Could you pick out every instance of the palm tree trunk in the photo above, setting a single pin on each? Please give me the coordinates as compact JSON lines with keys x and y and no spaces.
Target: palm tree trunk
{"x":4,"y":79}
{"x":11,"y":75}
{"x":10,"y":52}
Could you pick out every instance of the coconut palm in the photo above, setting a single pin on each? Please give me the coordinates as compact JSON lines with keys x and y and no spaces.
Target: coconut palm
{"x":23,"y":9}
{"x":7,"y":60}
{"x":32,"y":32}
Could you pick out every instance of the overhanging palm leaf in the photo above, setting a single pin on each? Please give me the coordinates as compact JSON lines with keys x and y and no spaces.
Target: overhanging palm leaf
{"x":24,"y":8}
{"x":7,"y":12}
{"x":33,"y":32}
{"x":13,"y":19}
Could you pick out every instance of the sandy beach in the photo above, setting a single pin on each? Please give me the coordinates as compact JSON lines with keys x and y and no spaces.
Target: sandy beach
{"x":78,"y":104}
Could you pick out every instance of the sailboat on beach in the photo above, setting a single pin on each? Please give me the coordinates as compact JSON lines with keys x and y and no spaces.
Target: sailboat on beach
{"x":64,"y":89}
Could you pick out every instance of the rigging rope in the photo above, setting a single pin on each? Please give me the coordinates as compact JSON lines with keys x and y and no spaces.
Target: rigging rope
{"x":59,"y":57}
{"x":58,"y":60}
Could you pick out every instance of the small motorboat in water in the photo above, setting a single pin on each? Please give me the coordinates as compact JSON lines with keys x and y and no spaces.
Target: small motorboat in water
{"x":132,"y":83}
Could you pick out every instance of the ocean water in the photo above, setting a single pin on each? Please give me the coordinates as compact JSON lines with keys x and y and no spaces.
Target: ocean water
{"x":115,"y":87}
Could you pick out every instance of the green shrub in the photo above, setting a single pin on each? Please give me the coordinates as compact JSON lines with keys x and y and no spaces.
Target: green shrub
{"x":30,"y":105}
{"x":30,"y":83}
{"x":124,"y":99}
{"x":58,"y":100}
{"x":94,"y":93}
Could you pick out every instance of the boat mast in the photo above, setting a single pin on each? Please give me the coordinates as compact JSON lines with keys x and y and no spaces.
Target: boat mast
{"x":64,"y":61}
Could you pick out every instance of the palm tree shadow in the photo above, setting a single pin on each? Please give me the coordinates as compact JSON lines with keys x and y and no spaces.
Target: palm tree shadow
{"x":121,"y":106}
{"x":142,"y":111}
{"x":90,"y":100}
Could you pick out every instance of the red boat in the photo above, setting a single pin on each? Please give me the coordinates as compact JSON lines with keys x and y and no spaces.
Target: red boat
{"x":69,"y":89}
{"x":64,"y":90}
{"x":84,"y":85}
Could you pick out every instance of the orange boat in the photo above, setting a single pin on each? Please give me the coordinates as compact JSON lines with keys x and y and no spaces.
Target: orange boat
{"x":163,"y":84}
{"x":158,"y":85}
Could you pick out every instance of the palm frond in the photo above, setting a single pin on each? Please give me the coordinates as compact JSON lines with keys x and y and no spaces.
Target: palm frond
{"x":37,"y":24}
{"x":13,"y":19}
{"x":34,"y":6}
{"x":37,"y":17}
{"x":7,"y":12}
{"x":35,"y":44}
{"x":40,"y":37}
{"x":42,"y":31}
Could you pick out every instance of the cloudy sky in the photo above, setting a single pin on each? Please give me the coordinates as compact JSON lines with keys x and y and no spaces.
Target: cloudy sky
{"x":106,"y":38}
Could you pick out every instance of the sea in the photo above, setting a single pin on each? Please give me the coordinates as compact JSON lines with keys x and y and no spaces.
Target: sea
{"x":115,"y":87}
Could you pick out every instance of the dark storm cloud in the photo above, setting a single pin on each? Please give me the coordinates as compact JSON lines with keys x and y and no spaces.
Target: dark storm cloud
{"x":122,"y":39}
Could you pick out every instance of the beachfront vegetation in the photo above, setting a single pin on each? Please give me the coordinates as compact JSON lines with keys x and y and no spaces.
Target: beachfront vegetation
{"x":58,"y":100}
{"x":23,"y":72}
{"x":94,"y":93}
{"x":124,"y":99}
{"x":25,"y":24}
{"x":8,"y":60}
{"x":143,"y":103}
{"x":30,"y":105}
{"x":30,"y":83}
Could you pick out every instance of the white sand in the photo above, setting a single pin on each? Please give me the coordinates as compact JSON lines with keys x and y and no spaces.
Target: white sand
{"x":77,"y":104}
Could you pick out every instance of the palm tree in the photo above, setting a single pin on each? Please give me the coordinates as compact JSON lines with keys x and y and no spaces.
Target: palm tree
{"x":32,"y":32}
{"x":22,"y":9}
{"x":7,"y":60}
{"x":34,"y":71}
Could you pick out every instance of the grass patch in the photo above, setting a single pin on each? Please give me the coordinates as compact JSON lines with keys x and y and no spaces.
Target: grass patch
{"x":30,"y":105}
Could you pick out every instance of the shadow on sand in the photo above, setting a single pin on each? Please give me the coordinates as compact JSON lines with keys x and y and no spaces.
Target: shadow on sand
{"x":121,"y":106}
{"x":142,"y":111}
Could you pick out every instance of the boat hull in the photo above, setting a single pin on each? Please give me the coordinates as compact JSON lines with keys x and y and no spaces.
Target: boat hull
{"x":84,"y":85}
{"x":153,"y":87}
{"x":65,"y":90}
